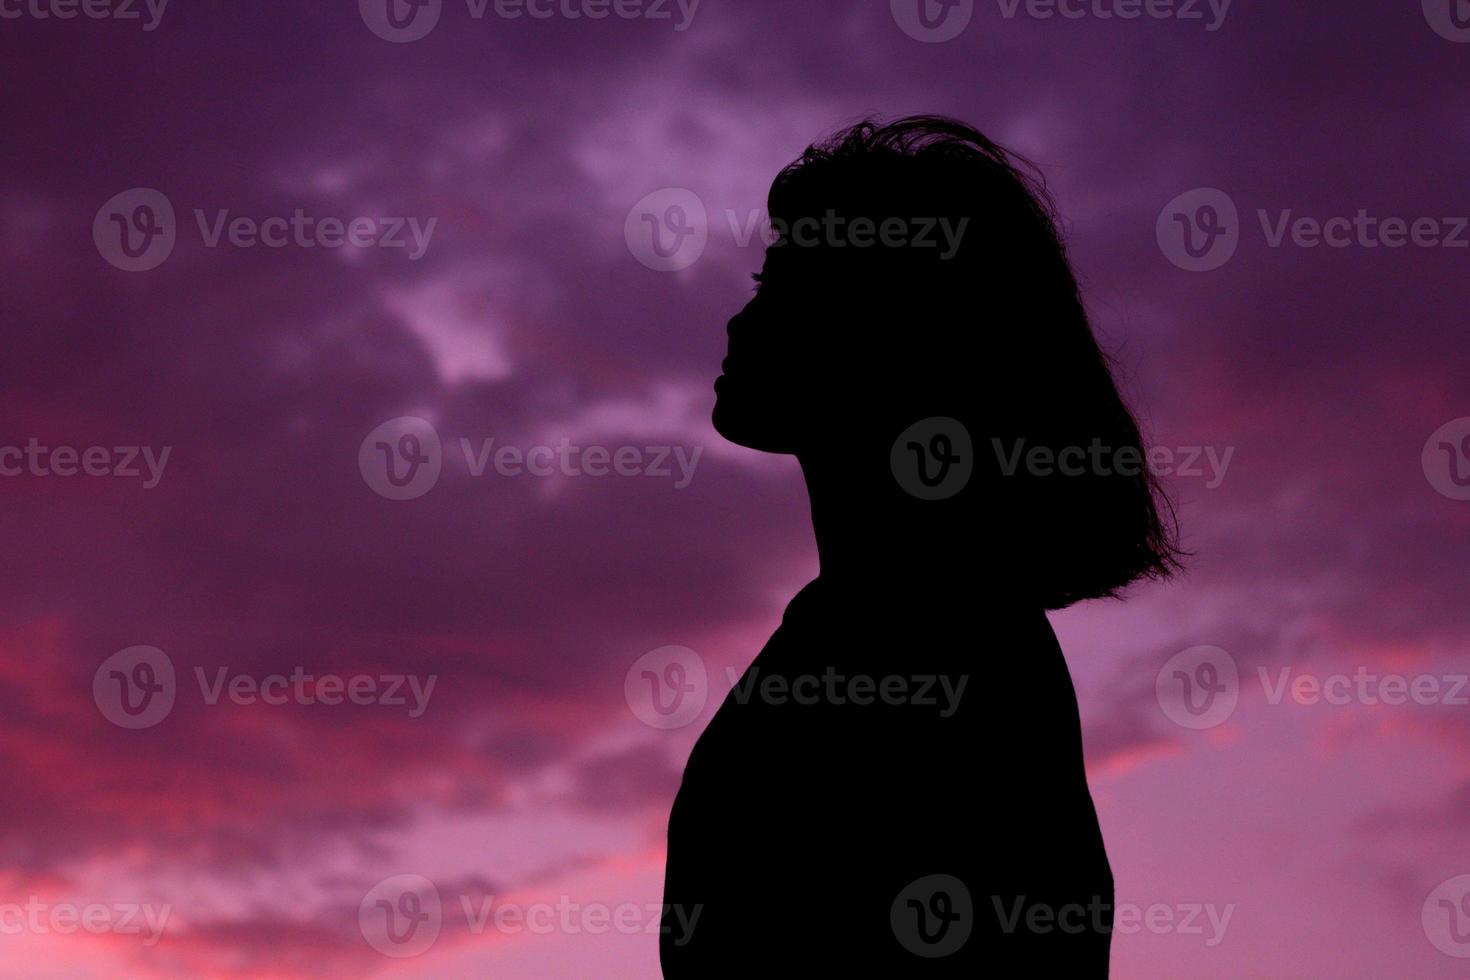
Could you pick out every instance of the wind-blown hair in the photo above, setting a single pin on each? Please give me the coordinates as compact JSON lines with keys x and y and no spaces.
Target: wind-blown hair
{"x":993,"y":334}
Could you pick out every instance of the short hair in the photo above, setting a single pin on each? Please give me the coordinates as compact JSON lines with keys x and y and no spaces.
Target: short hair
{"x":997,"y":336}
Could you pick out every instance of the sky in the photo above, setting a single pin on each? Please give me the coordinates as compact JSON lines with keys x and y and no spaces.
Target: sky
{"x":254,"y":683}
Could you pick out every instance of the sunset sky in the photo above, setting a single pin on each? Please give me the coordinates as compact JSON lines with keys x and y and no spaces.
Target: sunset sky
{"x":1329,"y":537}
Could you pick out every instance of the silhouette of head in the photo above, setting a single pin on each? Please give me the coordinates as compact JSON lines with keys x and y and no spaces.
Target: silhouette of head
{"x":915,"y":272}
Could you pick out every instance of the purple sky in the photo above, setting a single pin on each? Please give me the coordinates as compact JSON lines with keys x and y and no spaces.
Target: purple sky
{"x":1333,"y":542}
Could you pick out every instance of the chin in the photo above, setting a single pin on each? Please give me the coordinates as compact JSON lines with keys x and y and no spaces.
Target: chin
{"x":747,"y":425}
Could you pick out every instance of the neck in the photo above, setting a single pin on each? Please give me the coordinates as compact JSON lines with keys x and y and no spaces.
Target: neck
{"x":869,"y":530}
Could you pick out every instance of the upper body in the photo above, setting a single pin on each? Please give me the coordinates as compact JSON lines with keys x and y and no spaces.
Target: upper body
{"x":881,"y":738}
{"x":842,"y":809}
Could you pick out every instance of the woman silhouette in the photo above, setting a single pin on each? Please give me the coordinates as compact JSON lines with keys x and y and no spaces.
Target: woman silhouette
{"x":896,"y":785}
